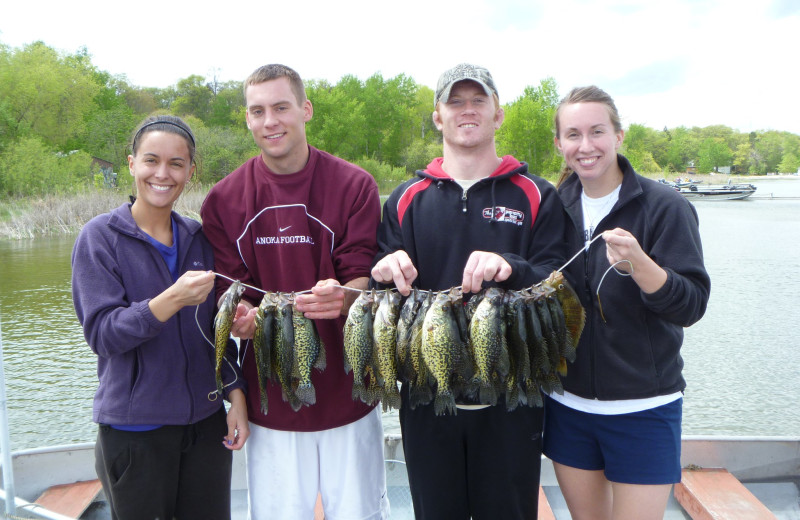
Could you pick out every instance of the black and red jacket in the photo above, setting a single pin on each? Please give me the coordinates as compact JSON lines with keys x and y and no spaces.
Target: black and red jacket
{"x":511,"y":212}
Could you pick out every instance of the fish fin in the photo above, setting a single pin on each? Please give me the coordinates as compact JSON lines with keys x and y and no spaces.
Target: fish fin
{"x":347,"y":367}
{"x":570,"y":353}
{"x":322,"y":361}
{"x":562,"y":366}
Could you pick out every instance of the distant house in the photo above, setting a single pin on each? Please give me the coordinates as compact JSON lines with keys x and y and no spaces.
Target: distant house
{"x":691,"y":168}
{"x":102,"y":164}
{"x":107,"y":169}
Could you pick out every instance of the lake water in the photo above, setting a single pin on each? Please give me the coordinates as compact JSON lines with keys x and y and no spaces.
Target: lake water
{"x":742,"y":359}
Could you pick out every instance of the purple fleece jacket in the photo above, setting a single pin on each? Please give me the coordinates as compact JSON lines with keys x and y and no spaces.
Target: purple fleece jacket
{"x":150,"y":372}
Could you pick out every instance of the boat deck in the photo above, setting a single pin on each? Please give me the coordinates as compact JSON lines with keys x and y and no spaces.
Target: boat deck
{"x":768,"y":467}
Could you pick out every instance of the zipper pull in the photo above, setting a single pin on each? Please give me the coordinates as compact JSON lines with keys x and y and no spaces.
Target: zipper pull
{"x":464,"y":201}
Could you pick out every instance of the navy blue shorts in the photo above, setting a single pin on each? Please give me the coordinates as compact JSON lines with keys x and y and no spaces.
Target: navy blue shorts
{"x":633,"y":448}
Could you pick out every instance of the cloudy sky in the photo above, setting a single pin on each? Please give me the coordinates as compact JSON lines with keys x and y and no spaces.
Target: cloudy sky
{"x":666,"y":63}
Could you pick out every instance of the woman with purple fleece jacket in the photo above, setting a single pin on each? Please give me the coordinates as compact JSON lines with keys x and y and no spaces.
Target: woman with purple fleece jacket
{"x":142,"y":288}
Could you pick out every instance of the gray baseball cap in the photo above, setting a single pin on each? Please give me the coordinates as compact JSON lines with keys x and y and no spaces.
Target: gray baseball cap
{"x":460,"y":72}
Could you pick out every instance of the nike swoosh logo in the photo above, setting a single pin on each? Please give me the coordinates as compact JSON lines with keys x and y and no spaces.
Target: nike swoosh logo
{"x":283,"y":229}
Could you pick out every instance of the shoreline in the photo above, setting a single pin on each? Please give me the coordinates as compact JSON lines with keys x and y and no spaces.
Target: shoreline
{"x":60,"y":215}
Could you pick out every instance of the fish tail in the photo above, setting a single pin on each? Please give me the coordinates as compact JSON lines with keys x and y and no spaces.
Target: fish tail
{"x":532,"y":394}
{"x":372,"y":394}
{"x":264,"y":403}
{"x":487,"y":394}
{"x":420,"y":394}
{"x":391,"y":397}
{"x":444,"y":402}
{"x":513,"y":399}
{"x":306,"y":394}
{"x":294,"y":402}
{"x":359,"y":392}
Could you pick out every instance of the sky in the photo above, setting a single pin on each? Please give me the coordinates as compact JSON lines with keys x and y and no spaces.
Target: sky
{"x":666,"y":63}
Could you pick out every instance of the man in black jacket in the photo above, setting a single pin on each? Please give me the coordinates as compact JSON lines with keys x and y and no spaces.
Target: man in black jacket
{"x":471,"y":219}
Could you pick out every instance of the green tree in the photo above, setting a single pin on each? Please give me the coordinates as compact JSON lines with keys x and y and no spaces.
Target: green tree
{"x":108,"y":133}
{"x":141,"y":101}
{"x":28,"y":167}
{"x":220,"y":150}
{"x":419,"y":154}
{"x":193,"y":97}
{"x":47,"y":94}
{"x":386,"y":175}
{"x":681,"y":149}
{"x":527,"y":131}
{"x":637,"y":147}
{"x":712,"y":154}
{"x":789,"y":164}
{"x":769,"y":151}
{"x":741,"y":158}
{"x":227,"y":109}
{"x":390,"y":124}
{"x":338,"y":122}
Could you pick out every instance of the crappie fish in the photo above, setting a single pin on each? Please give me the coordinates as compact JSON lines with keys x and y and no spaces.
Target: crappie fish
{"x":440,"y":349}
{"x":548,"y":332}
{"x":262,"y":343}
{"x":408,"y":312}
{"x":565,"y":348}
{"x":358,"y":345}
{"x":519,"y":376}
{"x":489,"y":346}
{"x":384,"y":333}
{"x":223,"y":322}
{"x":537,"y":345}
{"x":574,"y":313}
{"x":420,"y":390}
{"x":283,"y":350}
{"x":309,"y":352}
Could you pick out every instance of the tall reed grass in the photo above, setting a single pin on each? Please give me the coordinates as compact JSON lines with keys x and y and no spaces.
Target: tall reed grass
{"x":64,"y":214}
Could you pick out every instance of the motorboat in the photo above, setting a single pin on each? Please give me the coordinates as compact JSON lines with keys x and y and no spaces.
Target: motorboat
{"x":698,"y":191}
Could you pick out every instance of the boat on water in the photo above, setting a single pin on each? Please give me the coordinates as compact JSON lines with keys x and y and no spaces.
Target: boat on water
{"x":697,"y":191}
{"x":767,"y":467}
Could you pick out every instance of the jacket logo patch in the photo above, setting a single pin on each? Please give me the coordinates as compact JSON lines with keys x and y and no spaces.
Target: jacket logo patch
{"x":503,"y":214}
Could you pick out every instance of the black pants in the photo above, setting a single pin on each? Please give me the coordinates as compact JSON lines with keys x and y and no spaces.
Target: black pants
{"x":480,"y":464}
{"x":181,"y":472}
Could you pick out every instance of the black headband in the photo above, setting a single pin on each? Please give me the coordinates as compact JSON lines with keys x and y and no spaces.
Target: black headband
{"x":160,"y":121}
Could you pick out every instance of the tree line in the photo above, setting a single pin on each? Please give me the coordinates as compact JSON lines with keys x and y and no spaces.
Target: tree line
{"x":58,"y":113}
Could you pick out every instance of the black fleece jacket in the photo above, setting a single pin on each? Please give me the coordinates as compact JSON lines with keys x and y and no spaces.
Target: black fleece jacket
{"x":635,"y":352}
